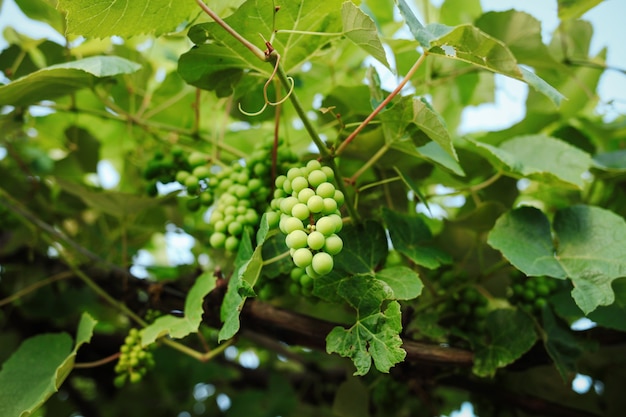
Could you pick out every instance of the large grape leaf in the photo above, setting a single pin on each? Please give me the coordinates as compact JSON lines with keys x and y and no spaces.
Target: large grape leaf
{"x":216,"y":49}
{"x":62,"y":79}
{"x":248,"y":265}
{"x":37,"y":369}
{"x":587,"y":245}
{"x":179,"y":327}
{"x":511,"y":334}
{"x":411,"y":236}
{"x":557,"y":161}
{"x":361,"y":29}
{"x":356,"y":281}
{"x":102,"y":18}
{"x":373,"y":337}
{"x":469,"y":44}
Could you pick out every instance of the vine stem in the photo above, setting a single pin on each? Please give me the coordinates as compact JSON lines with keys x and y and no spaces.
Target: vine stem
{"x":383,"y":104}
{"x":253,"y":48}
{"x":370,"y":162}
{"x":56,"y":277}
{"x":323,"y":149}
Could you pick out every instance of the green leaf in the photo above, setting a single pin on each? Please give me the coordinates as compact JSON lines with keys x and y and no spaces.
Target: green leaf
{"x":561,"y":345}
{"x":405,"y":283}
{"x":614,"y":315}
{"x":421,"y":34}
{"x":248,"y":265}
{"x":360,"y":29}
{"x":124,"y":18}
{"x":511,"y":333}
{"x":222,"y":53}
{"x":573,"y":9}
{"x":44,"y":11}
{"x":179,"y":327}
{"x":62,"y":79}
{"x":587,"y":246}
{"x":539,"y":157}
{"x":37,"y":369}
{"x":410,"y":235}
{"x":469,"y":44}
{"x":372,"y":338}
{"x":412,"y":114}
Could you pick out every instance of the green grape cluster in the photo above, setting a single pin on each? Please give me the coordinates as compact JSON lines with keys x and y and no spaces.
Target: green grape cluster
{"x":531,"y":293}
{"x":134,"y":361}
{"x":467,"y":307}
{"x":240,"y":198}
{"x":306,"y":209}
{"x":163,"y":168}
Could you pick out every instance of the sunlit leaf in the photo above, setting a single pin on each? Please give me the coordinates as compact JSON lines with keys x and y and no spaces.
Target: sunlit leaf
{"x":360,"y":29}
{"x":62,"y":79}
{"x":104,"y":18}
{"x":179,"y":327}
{"x":38,"y":368}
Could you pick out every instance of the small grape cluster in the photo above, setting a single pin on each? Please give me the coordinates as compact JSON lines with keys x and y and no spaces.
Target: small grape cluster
{"x":306,"y":209}
{"x":134,"y":361}
{"x":531,"y":293}
{"x":467,"y":308}
{"x":239,"y":201}
{"x":162,"y":168}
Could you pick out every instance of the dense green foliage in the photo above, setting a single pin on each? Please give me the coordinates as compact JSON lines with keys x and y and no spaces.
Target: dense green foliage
{"x":352,"y":253}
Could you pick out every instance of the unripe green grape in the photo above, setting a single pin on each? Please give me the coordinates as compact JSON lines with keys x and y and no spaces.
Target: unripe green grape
{"x":196,"y":159}
{"x":294,"y":173}
{"x":287,"y":186}
{"x":330,"y":206}
{"x":306,"y":281}
{"x":280,"y":180}
{"x":326,"y":226}
{"x":272,"y":218}
{"x":333,"y":244}
{"x":330,"y":174}
{"x":134,"y":377}
{"x":317,"y":177}
{"x":305,"y":195}
{"x":235,"y":228}
{"x":315,"y":203}
{"x":296,"y":274}
{"x":298,"y":184}
{"x":251,"y":217}
{"x":338,"y":222}
{"x":287,"y":204}
{"x":311,"y":272}
{"x":201,"y":171}
{"x":217,"y":240}
{"x":325,"y":190}
{"x":300,"y":211}
{"x":206,"y":199}
{"x":181,"y":176}
{"x":220,"y":226}
{"x":315,"y":240}
{"x":120,"y":380}
{"x":288,"y":224}
{"x":296,"y":239}
{"x":339,"y":197}
{"x":313,"y":164}
{"x":255,"y":184}
{"x":322,"y":263}
{"x":231,"y":243}
{"x":302,"y":257}
{"x":192,"y":184}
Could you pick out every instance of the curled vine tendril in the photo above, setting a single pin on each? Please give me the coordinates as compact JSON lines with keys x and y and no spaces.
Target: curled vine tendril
{"x":268,"y":102}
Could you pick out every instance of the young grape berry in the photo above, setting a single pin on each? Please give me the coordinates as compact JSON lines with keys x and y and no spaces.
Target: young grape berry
{"x":308,"y":205}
